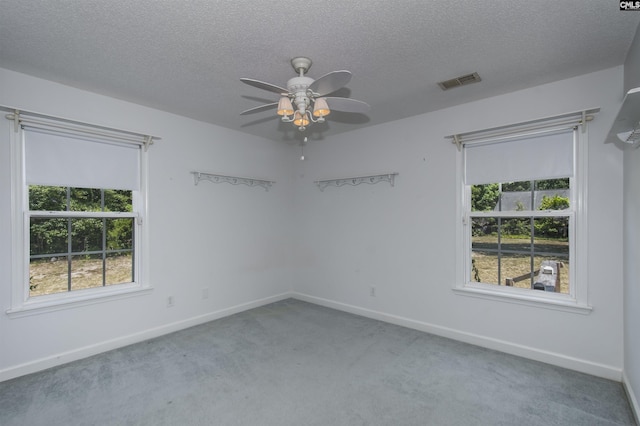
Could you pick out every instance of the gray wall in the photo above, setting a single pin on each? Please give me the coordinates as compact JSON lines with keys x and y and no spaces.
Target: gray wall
{"x":632,"y":243}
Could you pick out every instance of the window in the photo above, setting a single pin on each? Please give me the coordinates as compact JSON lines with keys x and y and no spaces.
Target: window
{"x":523,"y":220}
{"x":79,"y":209}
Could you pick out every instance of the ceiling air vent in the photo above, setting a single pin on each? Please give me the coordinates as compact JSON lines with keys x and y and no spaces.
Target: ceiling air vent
{"x":459,"y":81}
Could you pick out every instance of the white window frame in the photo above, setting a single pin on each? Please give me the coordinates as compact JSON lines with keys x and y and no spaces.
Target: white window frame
{"x":577,"y":300}
{"x":21,"y":302}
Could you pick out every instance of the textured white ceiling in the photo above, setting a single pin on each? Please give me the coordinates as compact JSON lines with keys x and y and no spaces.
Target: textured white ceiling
{"x":186,"y":57}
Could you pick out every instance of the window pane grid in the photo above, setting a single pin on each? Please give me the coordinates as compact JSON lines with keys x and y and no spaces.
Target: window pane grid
{"x":524,"y":213}
{"x":520,"y":234}
{"x":63,"y":214}
{"x":90,"y":243}
{"x":488,"y":250}
{"x":79,"y":253}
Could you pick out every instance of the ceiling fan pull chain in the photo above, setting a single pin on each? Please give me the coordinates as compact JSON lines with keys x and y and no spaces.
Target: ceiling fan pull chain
{"x":302,"y":149}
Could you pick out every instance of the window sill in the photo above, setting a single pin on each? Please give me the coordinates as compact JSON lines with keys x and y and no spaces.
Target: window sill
{"x":56,"y":302}
{"x":524,"y":297}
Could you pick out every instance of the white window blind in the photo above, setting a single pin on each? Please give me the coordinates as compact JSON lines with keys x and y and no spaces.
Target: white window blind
{"x":532,"y":157}
{"x":68,"y":159}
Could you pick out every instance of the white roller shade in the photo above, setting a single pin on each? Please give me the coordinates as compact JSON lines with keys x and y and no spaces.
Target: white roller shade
{"x":60,"y":159}
{"x":543,"y":156}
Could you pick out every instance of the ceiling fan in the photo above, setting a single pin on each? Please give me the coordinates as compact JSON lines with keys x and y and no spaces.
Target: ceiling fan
{"x":308,"y":95}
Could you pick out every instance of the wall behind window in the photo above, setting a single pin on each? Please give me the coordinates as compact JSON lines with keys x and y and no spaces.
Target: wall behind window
{"x":402,"y":240}
{"x":231,"y":239}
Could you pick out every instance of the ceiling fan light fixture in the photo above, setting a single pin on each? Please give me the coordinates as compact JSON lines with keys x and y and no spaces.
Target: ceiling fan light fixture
{"x":320,"y":108}
{"x":303,"y":102}
{"x":284,"y":106}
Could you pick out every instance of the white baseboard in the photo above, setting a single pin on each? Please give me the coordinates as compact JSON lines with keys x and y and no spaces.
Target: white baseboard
{"x":635,"y":407}
{"x":87,"y":351}
{"x":572,"y":363}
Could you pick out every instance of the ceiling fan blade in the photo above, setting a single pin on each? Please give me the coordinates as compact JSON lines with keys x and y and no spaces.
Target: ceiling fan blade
{"x":264,"y":85}
{"x":331,"y":82}
{"x":348,"y":105}
{"x":259,"y":108}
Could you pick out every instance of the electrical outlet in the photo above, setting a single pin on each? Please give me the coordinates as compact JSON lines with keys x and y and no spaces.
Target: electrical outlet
{"x":372,"y":291}
{"x":205,"y":292}
{"x":170,"y":301}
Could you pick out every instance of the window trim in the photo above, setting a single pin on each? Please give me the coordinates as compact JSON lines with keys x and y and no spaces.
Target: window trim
{"x":575,"y":302}
{"x":21,"y":304}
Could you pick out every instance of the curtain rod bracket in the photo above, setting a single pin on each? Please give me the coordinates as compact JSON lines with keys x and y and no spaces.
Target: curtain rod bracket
{"x":15,"y":117}
{"x":148,"y":141}
{"x":585,"y":119}
{"x":456,"y":140}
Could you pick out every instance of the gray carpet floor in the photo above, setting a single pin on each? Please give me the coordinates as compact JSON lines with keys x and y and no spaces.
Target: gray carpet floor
{"x":294,"y":363}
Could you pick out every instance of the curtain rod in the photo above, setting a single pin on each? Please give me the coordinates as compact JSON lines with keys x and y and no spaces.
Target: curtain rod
{"x":572,"y":118}
{"x":35,"y":118}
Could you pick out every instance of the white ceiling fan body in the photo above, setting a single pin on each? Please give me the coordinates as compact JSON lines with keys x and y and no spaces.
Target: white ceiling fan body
{"x":298,"y":90}
{"x":303,"y":92}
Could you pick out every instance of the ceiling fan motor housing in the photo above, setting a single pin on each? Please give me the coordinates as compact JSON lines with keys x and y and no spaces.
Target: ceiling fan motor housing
{"x":297,"y":84}
{"x":297,"y":87}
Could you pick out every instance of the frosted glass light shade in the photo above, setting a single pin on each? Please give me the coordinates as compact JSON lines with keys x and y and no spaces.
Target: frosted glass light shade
{"x":284,"y":106}
{"x":320,"y":108}
{"x":300,"y":120}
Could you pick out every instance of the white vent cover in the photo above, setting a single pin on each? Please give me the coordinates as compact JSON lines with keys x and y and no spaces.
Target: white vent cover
{"x":459,"y":81}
